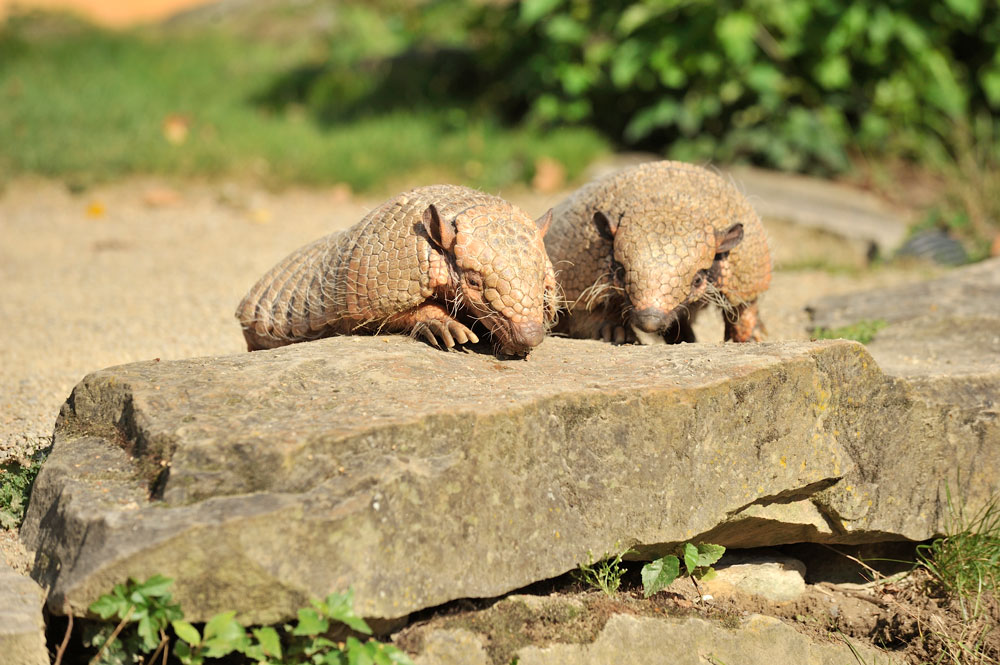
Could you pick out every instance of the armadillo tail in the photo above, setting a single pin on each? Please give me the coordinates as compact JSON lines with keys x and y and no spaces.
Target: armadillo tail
{"x":295,"y":301}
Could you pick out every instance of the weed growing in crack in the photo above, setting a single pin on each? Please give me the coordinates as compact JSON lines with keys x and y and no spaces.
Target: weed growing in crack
{"x":604,"y":575}
{"x":698,"y":559}
{"x":966,"y":562}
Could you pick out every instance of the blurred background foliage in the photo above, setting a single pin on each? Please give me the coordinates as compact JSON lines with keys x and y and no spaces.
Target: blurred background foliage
{"x":365,"y":91}
{"x":791,"y":84}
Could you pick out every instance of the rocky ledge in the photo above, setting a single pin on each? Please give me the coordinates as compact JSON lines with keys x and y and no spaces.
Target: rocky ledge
{"x":417,"y":476}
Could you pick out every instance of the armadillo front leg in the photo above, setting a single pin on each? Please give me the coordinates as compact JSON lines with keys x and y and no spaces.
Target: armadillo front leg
{"x":743,"y":324}
{"x":597,"y":324}
{"x":432,"y":321}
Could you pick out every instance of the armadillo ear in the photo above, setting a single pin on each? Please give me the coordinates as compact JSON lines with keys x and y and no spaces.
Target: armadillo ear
{"x":543,"y":223}
{"x":728,"y":239}
{"x":605,"y":227}
{"x":441,"y":232}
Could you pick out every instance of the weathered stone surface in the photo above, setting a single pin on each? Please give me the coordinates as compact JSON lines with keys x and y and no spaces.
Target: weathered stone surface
{"x":969,"y":292}
{"x":943,"y":334}
{"x":452,"y":647}
{"x":758,"y":640}
{"x":771,"y":576}
{"x":22,"y":627}
{"x":417,"y":477}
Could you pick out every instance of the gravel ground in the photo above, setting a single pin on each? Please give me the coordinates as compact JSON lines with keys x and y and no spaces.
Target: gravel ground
{"x":144,"y":269}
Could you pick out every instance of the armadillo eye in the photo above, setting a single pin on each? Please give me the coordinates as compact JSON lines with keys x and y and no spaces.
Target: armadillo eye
{"x":699,"y":279}
{"x":474,"y":280}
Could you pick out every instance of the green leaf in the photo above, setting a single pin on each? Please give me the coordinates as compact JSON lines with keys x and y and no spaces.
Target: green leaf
{"x":533,"y":10}
{"x":147,"y":631}
{"x":223,"y":635}
{"x":269,"y":641}
{"x":396,"y":656}
{"x":335,"y":657}
{"x":657,"y":575}
{"x":706,"y":574}
{"x":187,"y":632}
{"x":576,"y":79}
{"x":663,"y":114}
{"x":967,"y":9}
{"x":628,"y":60}
{"x":735,"y":32}
{"x":310,"y":623}
{"x":690,"y":558}
{"x":342,"y":610}
{"x":564,"y":29}
{"x":989,"y":79}
{"x":186,"y":655}
{"x":108,"y":606}
{"x":944,"y":90}
{"x":155,"y":586}
{"x":635,"y":16}
{"x":358,"y":653}
{"x":834,"y":72}
{"x":709,"y":554}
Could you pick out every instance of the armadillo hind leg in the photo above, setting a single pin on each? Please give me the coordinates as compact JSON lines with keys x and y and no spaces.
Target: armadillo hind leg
{"x":743,"y":324}
{"x":432,"y":322}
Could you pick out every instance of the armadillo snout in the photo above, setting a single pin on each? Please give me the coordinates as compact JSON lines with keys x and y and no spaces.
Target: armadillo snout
{"x":651,"y":319}
{"x":518,"y":339}
{"x":528,"y":334}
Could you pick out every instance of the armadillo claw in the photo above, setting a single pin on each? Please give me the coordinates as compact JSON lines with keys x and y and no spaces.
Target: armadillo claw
{"x":449,"y":332}
{"x":462,"y":334}
{"x":612,"y":333}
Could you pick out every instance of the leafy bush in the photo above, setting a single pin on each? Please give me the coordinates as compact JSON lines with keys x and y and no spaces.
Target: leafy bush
{"x":792,"y":84}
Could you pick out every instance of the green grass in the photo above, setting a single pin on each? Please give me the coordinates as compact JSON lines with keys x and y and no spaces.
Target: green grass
{"x":88,"y":105}
{"x":966,"y":562}
{"x":15,"y":488}
{"x":862,"y":331}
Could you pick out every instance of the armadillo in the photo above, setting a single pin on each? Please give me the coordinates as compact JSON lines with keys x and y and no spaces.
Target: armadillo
{"x":638,"y":253}
{"x":428,"y":262}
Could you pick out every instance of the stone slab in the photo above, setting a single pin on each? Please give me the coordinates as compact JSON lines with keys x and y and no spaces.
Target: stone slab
{"x":22,"y":626}
{"x":943,"y":334}
{"x":757,"y":640}
{"x":417,"y":477}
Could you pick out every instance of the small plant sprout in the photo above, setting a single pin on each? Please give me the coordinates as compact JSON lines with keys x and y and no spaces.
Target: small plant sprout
{"x":16,"y":479}
{"x":604,"y":575}
{"x":698,"y":559}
